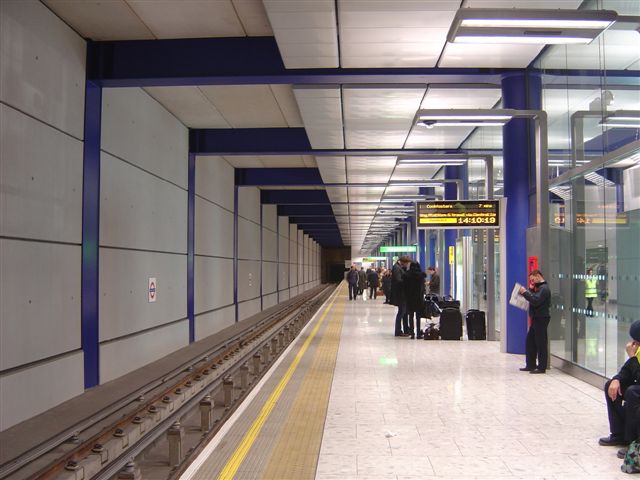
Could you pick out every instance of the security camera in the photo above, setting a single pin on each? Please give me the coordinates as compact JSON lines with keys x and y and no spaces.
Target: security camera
{"x":429,"y":123}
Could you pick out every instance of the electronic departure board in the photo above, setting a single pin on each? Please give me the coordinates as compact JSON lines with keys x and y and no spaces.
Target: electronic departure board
{"x":458,"y":214}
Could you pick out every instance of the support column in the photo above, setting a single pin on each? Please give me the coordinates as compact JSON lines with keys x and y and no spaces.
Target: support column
{"x":191,"y":212}
{"x":90,"y":321}
{"x":450,"y":235}
{"x":519,"y":163}
{"x":235,"y":251}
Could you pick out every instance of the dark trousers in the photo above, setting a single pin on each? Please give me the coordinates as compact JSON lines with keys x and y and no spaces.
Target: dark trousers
{"x":589,"y":307}
{"x":401,"y":320}
{"x":537,"y":340}
{"x":353,"y":291}
{"x":373,"y":293}
{"x":623,"y":417}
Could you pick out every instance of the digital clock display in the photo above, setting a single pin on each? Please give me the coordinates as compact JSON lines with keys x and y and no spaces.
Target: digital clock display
{"x":458,"y":214}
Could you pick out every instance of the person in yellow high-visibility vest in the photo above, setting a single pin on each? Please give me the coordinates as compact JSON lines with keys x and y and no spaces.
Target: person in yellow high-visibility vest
{"x":590,"y":290}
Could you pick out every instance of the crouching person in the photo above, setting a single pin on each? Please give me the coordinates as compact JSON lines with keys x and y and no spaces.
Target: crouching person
{"x":622,"y":394}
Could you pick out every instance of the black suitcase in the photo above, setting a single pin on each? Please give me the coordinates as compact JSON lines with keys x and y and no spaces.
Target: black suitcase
{"x":476,"y":325}
{"x":448,"y":302}
{"x":451,"y":324}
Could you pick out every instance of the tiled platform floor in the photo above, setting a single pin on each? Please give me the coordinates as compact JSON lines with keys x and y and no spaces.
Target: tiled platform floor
{"x":412,"y":409}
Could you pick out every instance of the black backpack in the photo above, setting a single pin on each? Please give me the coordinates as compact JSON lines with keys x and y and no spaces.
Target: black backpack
{"x":432,"y":332}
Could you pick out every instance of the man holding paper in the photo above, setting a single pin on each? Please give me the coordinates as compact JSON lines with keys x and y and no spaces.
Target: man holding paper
{"x":539,"y":298}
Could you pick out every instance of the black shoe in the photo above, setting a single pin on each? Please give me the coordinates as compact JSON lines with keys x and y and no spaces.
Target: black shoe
{"x":537,"y":370}
{"x":413,"y":336}
{"x":526,"y":369}
{"x":612,"y":441}
{"x":622,"y":453}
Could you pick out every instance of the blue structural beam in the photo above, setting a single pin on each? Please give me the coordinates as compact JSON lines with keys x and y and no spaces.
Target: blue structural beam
{"x":248,"y":140}
{"x":257,"y":60}
{"x":191,"y":242}
{"x":305,"y":210}
{"x":294,"y":197}
{"x":315,"y":220}
{"x":264,"y":177}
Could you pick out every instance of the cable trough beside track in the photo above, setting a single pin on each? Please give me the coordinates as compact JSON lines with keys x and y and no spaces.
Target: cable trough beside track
{"x":153,"y":431}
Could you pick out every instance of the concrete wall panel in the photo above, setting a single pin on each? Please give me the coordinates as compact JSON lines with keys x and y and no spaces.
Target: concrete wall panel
{"x":269,"y":277}
{"x":42,"y":65}
{"x":138,"y":129}
{"x":283,"y":295}
{"x":248,"y":279}
{"x":214,"y":230}
{"x":40,"y":307}
{"x":249,"y":203}
{"x":213,"y":283}
{"x":248,"y":240}
{"x":138,"y":210}
{"x":130,"y":353}
{"x":41,"y":171}
{"x":269,"y":245}
{"x":212,"y":322}
{"x":248,"y":308}
{"x":54,"y":381}
{"x":215,"y":181}
{"x":283,"y":276}
{"x":124,"y":284}
{"x":270,"y":217}
{"x":269,"y":300}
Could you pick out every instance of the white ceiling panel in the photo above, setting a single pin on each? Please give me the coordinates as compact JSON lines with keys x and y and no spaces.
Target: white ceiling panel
{"x":439,"y":137}
{"x":253,"y":17}
{"x":287,"y":103}
{"x":403,"y":172}
{"x":289,"y":161}
{"x":337,"y":194}
{"x":244,"y":162}
{"x":379,"y":117}
{"x":100,"y":20}
{"x":332,"y":169}
{"x":291,"y":21}
{"x":321,"y":111}
{"x":340,"y":209}
{"x":309,"y":161}
{"x":246,"y":106}
{"x":189,"y":105}
{"x":188,"y":18}
{"x":486,"y":138}
{"x":370,"y":169}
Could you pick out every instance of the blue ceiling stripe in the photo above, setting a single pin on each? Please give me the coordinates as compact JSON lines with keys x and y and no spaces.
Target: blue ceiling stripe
{"x":261,"y":177}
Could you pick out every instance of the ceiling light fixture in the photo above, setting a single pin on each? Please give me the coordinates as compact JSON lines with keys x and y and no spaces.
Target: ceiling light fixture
{"x":432,"y":160}
{"x":529,"y":26}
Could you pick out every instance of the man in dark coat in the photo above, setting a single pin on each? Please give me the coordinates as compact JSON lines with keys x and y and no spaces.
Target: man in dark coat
{"x":362,"y":281}
{"x":374,"y":281}
{"x":414,"y":289}
{"x":352,"y":280}
{"x":434,"y":281}
{"x":386,"y":286}
{"x":398,"y":297}
{"x":539,"y":298}
{"x":622,"y":394}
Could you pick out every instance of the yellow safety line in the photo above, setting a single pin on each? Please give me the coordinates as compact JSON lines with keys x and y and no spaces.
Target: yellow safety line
{"x":250,"y":437}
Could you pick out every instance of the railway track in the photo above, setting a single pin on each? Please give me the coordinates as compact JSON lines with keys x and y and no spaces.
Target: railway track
{"x":153,"y":431}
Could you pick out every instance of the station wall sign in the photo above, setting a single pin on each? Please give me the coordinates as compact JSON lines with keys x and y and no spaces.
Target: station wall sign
{"x":399,"y":249}
{"x":373,"y":259}
{"x":458,"y":214}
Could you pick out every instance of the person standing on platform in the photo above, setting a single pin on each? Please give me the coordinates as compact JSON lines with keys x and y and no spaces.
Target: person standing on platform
{"x":622,"y":394}
{"x":414,"y":289}
{"x":373,"y":280}
{"x":398,"y":297}
{"x":362,"y":282}
{"x":434,"y":281}
{"x":352,"y":280}
{"x":590,"y":290}
{"x":386,"y":286}
{"x":539,"y":298}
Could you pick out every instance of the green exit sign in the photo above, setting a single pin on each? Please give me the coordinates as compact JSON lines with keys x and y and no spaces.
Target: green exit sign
{"x":399,"y":248}
{"x":373,"y":259}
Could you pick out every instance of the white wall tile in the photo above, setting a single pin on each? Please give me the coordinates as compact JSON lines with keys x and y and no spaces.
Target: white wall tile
{"x":269,"y":301}
{"x":42,"y":65}
{"x":130,"y":353}
{"x":270,"y":217}
{"x":283,"y":276}
{"x":40,"y":307}
{"x":269,"y":277}
{"x":55,"y":381}
{"x":248,"y":309}
{"x":124,"y":284}
{"x":41,"y":171}
{"x":135,"y":127}
{"x":269,"y":245}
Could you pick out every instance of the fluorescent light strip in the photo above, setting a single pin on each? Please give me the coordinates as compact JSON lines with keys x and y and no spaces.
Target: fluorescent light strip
{"x":527,"y":40}
{"x":465,"y":117}
{"x":620,"y":125}
{"x":534,"y":23}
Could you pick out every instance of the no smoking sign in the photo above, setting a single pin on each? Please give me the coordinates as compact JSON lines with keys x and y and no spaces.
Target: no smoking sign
{"x":153,"y":290}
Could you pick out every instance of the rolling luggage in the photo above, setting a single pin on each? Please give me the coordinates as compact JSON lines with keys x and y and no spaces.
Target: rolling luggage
{"x":431,"y":332}
{"x":448,"y":302}
{"x":451,"y":324}
{"x":476,"y":325}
